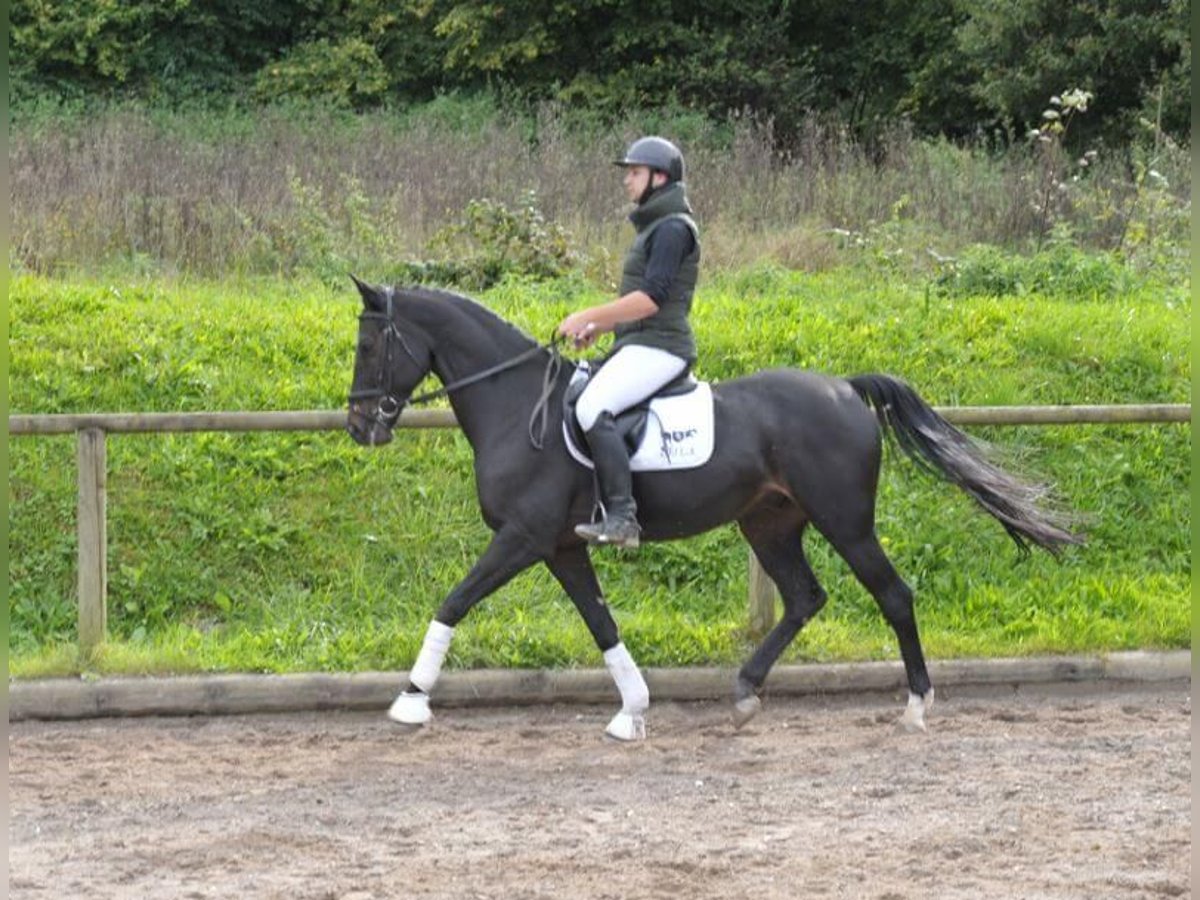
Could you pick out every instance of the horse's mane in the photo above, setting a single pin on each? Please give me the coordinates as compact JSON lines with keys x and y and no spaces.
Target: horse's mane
{"x":476,"y":311}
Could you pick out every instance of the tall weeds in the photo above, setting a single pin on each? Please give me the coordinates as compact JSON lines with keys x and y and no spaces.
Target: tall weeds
{"x":285,"y":190}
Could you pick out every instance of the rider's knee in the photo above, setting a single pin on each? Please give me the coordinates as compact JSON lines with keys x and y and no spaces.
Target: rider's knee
{"x":589,"y":410}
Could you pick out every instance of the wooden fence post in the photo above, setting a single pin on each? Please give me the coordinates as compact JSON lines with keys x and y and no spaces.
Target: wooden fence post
{"x":763,"y":594}
{"x":93,"y":539}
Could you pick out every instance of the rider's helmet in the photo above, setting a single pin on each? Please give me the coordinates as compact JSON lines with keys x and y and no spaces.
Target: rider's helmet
{"x":657,"y":153}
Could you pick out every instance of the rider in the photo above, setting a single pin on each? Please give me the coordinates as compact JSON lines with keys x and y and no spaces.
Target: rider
{"x":654,"y":342}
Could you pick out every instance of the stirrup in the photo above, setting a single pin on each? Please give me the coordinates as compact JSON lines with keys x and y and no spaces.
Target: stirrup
{"x":619,"y":533}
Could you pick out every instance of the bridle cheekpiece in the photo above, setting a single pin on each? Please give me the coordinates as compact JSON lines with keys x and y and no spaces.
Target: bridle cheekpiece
{"x":388,"y":410}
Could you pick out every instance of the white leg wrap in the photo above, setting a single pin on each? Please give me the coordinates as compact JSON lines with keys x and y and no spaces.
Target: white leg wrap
{"x":413,"y":708}
{"x":629,"y":724}
{"x":425,"y":671}
{"x":635,"y":696}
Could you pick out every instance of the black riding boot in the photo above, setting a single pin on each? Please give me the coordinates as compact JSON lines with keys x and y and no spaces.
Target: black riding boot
{"x":620,"y":526}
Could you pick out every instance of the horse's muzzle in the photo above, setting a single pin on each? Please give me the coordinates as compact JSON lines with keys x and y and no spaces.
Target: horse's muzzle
{"x":369,"y":430}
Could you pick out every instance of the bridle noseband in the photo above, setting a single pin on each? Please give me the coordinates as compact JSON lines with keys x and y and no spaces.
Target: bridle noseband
{"x":388,"y":410}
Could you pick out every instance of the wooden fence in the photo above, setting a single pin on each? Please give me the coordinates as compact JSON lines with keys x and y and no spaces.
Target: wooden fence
{"x":92,"y":429}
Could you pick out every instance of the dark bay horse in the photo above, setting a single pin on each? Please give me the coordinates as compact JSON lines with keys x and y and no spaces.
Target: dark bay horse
{"x":792,"y":449}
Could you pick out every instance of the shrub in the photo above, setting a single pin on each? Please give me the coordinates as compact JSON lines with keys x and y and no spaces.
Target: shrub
{"x":1061,"y":270}
{"x":494,"y":240}
{"x":349,"y":72}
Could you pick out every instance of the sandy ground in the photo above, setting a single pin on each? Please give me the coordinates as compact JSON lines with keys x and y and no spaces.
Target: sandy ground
{"x":1056,"y":792}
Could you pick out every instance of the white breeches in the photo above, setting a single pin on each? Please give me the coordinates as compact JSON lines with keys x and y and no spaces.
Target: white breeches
{"x":628,"y":378}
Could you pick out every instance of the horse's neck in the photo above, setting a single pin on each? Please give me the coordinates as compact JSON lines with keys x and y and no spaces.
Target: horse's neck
{"x":465,"y":344}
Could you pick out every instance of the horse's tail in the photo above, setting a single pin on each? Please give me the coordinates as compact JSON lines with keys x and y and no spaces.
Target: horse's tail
{"x":942,"y":450}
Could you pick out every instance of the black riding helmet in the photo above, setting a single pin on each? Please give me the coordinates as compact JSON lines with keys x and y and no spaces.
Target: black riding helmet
{"x":657,"y":153}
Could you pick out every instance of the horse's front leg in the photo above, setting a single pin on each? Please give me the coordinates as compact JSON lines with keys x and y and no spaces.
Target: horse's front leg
{"x":508,"y":554}
{"x":573,"y":568}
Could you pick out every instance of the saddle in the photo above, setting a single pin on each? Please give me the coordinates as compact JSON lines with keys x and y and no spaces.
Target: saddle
{"x":670,"y":430}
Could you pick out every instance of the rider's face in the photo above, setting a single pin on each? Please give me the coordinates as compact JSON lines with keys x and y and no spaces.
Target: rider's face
{"x":636,"y":180}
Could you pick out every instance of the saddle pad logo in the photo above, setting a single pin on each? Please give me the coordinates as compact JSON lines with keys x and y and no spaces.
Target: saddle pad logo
{"x":679,"y":434}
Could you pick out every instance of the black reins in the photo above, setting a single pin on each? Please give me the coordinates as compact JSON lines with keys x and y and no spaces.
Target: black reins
{"x":390,"y":407}
{"x":512,"y":363}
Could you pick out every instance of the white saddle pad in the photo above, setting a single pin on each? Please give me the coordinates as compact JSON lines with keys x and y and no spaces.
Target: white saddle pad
{"x":679,"y":434}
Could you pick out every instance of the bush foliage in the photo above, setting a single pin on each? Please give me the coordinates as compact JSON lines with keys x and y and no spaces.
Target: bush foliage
{"x":949,"y":67}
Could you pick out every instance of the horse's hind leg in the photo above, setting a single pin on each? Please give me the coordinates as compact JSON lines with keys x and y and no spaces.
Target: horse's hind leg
{"x":873,"y":568}
{"x":776,"y":535}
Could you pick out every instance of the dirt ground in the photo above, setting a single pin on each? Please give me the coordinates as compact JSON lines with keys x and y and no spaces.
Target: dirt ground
{"x":1057,"y":792}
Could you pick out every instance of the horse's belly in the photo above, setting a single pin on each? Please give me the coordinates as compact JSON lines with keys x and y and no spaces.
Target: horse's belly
{"x":681,"y":504}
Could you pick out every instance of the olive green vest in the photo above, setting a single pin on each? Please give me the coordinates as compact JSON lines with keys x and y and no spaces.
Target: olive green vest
{"x":668,"y":329}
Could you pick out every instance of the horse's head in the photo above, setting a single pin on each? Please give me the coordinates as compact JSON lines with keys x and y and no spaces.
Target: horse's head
{"x":387,"y":366}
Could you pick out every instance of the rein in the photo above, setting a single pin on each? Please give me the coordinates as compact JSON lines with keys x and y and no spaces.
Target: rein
{"x":389,"y":408}
{"x":512,"y":363}
{"x":541,"y":409}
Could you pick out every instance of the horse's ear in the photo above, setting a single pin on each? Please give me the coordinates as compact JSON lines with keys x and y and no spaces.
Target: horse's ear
{"x":370,"y":293}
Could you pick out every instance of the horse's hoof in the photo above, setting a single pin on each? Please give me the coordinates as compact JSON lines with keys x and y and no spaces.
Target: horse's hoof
{"x":411,"y":709}
{"x":745,"y":709}
{"x":913,"y":719}
{"x":626,"y":727}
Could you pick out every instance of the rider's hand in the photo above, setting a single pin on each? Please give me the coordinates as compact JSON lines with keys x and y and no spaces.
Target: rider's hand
{"x":579,"y":330}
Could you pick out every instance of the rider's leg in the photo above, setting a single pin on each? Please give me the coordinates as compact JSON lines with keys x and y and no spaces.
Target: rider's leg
{"x":629,"y":377}
{"x":619,"y":526}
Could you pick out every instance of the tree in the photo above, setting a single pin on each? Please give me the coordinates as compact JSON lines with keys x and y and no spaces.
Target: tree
{"x":1017,"y":53}
{"x":954,"y":67}
{"x":146,"y":48}
{"x":614,"y":55}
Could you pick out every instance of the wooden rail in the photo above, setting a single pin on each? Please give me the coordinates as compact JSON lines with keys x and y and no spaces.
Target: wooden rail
{"x":335,"y":420}
{"x":91,"y":429}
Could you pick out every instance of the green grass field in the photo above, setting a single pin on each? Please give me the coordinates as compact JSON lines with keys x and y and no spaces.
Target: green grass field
{"x":287,"y":552}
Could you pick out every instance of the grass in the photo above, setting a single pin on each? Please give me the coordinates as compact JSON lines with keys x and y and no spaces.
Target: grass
{"x":291,"y":552}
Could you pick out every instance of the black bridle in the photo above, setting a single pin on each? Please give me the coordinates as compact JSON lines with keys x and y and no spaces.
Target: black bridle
{"x":388,"y":410}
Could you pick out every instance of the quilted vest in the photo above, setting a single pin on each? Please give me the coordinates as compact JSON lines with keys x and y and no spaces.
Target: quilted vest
{"x":668,"y":329}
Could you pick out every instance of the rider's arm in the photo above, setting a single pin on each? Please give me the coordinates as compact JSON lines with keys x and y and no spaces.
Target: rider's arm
{"x":667,"y":247}
{"x":596,"y":320}
{"x":665,"y":251}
